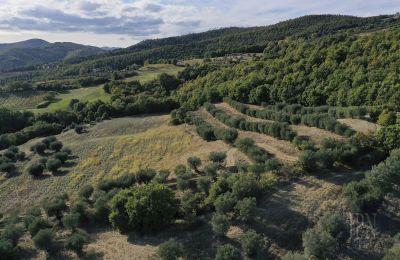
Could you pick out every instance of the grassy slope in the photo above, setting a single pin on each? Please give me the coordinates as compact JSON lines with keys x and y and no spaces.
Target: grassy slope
{"x":107,"y":150}
{"x":29,"y":100}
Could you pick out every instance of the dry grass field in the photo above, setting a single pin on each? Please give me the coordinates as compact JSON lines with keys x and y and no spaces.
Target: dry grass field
{"x":108,"y":150}
{"x":22,"y":100}
{"x":360,"y":125}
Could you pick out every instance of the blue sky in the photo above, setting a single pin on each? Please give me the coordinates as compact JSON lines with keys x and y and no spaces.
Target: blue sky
{"x":125,"y":22}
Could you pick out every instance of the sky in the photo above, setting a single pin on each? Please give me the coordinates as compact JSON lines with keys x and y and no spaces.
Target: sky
{"x":121,"y":23}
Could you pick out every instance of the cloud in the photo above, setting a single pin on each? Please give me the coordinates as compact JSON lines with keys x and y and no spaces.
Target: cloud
{"x":153,"y":8}
{"x":97,"y":21}
{"x":41,"y":18}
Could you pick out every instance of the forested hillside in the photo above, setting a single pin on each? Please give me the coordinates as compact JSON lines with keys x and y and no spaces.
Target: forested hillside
{"x":343,"y":70}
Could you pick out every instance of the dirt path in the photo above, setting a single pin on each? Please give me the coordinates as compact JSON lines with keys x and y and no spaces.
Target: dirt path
{"x":230,"y":110}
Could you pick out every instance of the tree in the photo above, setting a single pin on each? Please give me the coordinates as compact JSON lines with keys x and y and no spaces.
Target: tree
{"x":13,"y":233}
{"x":162,"y":176}
{"x":220,"y":224}
{"x":228,"y":252}
{"x":225,"y":203}
{"x":40,"y":148}
{"x":86,"y":191}
{"x":318,"y":243}
{"x":76,"y":241}
{"x":307,"y":161}
{"x":7,"y":250}
{"x":53,"y":165}
{"x":56,"y":146}
{"x":36,"y":169}
{"x":62,"y":156}
{"x":245,"y":208}
{"x":190,"y":204}
{"x":71,"y":220}
{"x":217,"y":157}
{"x":146,"y":208}
{"x":145,"y":175}
{"x":170,"y":250}
{"x":387,"y":118}
{"x":251,"y":243}
{"x":37,"y":224}
{"x":44,"y":239}
{"x":335,"y":225}
{"x":55,"y":208}
{"x":194,"y":162}
{"x":203,"y":184}
{"x":7,"y":167}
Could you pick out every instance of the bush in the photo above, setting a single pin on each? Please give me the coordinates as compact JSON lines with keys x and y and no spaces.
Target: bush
{"x":56,"y":146}
{"x":10,"y":155}
{"x":308,"y":161}
{"x":35,"y":169}
{"x":217,"y":157}
{"x":145,"y":175}
{"x":55,"y":208}
{"x":194,"y":162}
{"x":39,"y":148}
{"x":62,"y":156}
{"x":86,"y":191}
{"x":44,"y":239}
{"x":162,"y":176}
{"x":245,"y":208}
{"x":251,"y":243}
{"x":220,"y":224}
{"x":147,"y":208}
{"x":336,"y":226}
{"x":76,"y":242}
{"x":12,"y":233}
{"x":190,"y":204}
{"x":79,"y":129}
{"x":53,"y":165}
{"x":7,"y":167}
{"x":203,"y":184}
{"x":225,"y":203}
{"x":7,"y":250}
{"x":318,"y":243}
{"x":228,"y":252}
{"x":170,"y":250}
{"x":48,"y":140}
{"x":37,"y":224}
{"x":71,"y":220}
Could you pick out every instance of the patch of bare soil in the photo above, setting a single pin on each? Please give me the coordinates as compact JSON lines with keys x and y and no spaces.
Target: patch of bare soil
{"x":360,"y":125}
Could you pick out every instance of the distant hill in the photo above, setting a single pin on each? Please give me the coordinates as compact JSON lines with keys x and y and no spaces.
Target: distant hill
{"x":233,"y":40}
{"x":36,"y":51}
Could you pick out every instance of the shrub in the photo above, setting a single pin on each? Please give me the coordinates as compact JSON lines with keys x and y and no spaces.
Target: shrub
{"x":308,"y":161}
{"x":40,"y":148}
{"x":55,"y":207}
{"x":170,"y":250}
{"x":162,"y":176}
{"x":56,"y":146}
{"x":48,"y":140}
{"x":79,"y":129}
{"x":37,"y":224}
{"x":203,"y":184}
{"x":335,"y":225}
{"x":53,"y":165}
{"x":145,"y":175}
{"x":225,"y":203}
{"x":35,"y":169}
{"x":21,"y":156}
{"x":44,"y":239}
{"x":62,"y":156}
{"x":66,"y":150}
{"x":211,"y":169}
{"x":318,"y":243}
{"x":393,"y":252}
{"x":251,"y":243}
{"x":194,"y":162}
{"x":7,"y":167}
{"x":245,"y":208}
{"x":387,"y":118}
{"x":71,"y":220}
{"x":220,"y":224}
{"x":7,"y":249}
{"x":217,"y":157}
{"x":86,"y":191}
{"x":10,"y":155}
{"x":147,"y":208}
{"x":76,"y":242}
{"x":227,"y":252}
{"x":12,"y":233}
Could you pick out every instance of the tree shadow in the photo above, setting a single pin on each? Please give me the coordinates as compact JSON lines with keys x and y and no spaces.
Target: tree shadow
{"x":340,"y":177}
{"x":69,"y":164}
{"x":60,"y":173}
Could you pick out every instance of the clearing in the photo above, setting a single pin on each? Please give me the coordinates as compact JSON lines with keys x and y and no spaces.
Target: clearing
{"x":152,"y":71}
{"x":360,"y":125}
{"x":21,"y":100}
